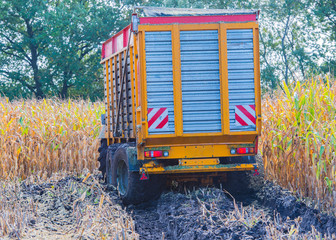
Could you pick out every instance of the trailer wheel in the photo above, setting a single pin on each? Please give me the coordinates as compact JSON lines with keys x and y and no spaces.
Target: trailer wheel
{"x":131,"y":189}
{"x":102,"y":156}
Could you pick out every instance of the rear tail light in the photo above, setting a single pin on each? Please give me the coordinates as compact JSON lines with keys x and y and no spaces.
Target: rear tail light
{"x":243,"y":150}
{"x":153,"y":154}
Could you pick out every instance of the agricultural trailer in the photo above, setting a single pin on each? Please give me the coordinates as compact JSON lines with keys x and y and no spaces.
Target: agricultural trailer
{"x":182,"y":99}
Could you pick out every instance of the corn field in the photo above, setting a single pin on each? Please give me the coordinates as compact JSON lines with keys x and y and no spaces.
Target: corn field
{"x":40,"y":137}
{"x":44,"y":136}
{"x":299,"y":140}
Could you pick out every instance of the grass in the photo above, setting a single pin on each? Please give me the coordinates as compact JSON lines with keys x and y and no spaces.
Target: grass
{"x":299,"y":140}
{"x":41,"y":137}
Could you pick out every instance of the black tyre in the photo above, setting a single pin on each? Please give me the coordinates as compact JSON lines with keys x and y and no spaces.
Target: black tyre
{"x":131,"y":189}
{"x":109,"y":160}
{"x":102,"y":156}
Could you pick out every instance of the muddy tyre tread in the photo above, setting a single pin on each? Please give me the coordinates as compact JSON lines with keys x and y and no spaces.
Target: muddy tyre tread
{"x":143,"y":191}
{"x":109,"y":160}
{"x":102,"y":156}
{"x":138,"y":191}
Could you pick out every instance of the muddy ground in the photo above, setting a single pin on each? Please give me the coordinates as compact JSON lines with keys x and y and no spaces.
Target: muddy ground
{"x":64,"y":207}
{"x":261,"y":211}
{"x":83,"y":208}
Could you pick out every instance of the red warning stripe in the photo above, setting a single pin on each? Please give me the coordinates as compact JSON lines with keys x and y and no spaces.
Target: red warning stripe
{"x":155,"y":117}
{"x":241,"y":121}
{"x":246,"y":113}
{"x":163,"y":123}
{"x":149,"y":110}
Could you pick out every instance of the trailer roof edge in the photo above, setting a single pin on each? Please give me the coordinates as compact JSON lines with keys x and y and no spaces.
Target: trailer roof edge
{"x":166,"y":12}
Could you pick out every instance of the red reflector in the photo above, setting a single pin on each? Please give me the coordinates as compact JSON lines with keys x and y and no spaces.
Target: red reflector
{"x":153,"y":154}
{"x":242,"y":150}
{"x":144,"y":176}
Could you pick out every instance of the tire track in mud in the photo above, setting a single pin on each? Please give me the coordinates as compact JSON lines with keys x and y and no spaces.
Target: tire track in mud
{"x":260,"y":210}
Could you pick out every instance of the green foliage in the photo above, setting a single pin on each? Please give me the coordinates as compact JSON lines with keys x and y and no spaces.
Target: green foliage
{"x":74,"y":56}
{"x":329,"y":67}
{"x":23,"y":39}
{"x":288,"y":41}
{"x":53,"y":47}
{"x":325,"y":10}
{"x":270,"y":79}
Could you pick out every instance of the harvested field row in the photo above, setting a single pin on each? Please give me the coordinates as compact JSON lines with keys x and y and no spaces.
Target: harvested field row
{"x":64,"y":207}
{"x":79,"y":207}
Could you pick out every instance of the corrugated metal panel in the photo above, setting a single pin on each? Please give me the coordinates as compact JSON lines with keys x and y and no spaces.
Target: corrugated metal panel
{"x":240,"y":73}
{"x":159,"y":71}
{"x":200,"y":81}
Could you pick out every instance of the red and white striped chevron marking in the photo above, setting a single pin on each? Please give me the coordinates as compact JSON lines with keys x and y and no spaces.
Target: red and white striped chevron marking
{"x":157,"y":118}
{"x":245,"y":115}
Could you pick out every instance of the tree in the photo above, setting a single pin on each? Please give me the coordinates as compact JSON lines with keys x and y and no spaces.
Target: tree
{"x":325,"y":10}
{"x":51,"y":47}
{"x":289,"y":41}
{"x":23,"y":39}
{"x":78,"y":28}
{"x":324,"y":17}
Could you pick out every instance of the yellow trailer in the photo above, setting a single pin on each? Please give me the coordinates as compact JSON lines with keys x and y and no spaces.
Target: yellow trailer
{"x":182,"y":97}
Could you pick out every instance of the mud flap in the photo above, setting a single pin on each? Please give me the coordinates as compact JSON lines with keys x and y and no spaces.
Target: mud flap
{"x":133,"y":162}
{"x":102,"y":132}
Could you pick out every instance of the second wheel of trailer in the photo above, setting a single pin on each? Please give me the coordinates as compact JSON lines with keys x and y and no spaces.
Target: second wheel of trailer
{"x":131,"y":189}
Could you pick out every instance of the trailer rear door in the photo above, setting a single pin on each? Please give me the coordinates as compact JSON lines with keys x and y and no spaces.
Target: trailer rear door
{"x":201,"y":79}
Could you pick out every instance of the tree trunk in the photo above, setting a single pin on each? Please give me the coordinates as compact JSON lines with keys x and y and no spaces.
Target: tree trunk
{"x":37,"y":79}
{"x":64,"y":93}
{"x":284,"y":49}
{"x":34,"y":62}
